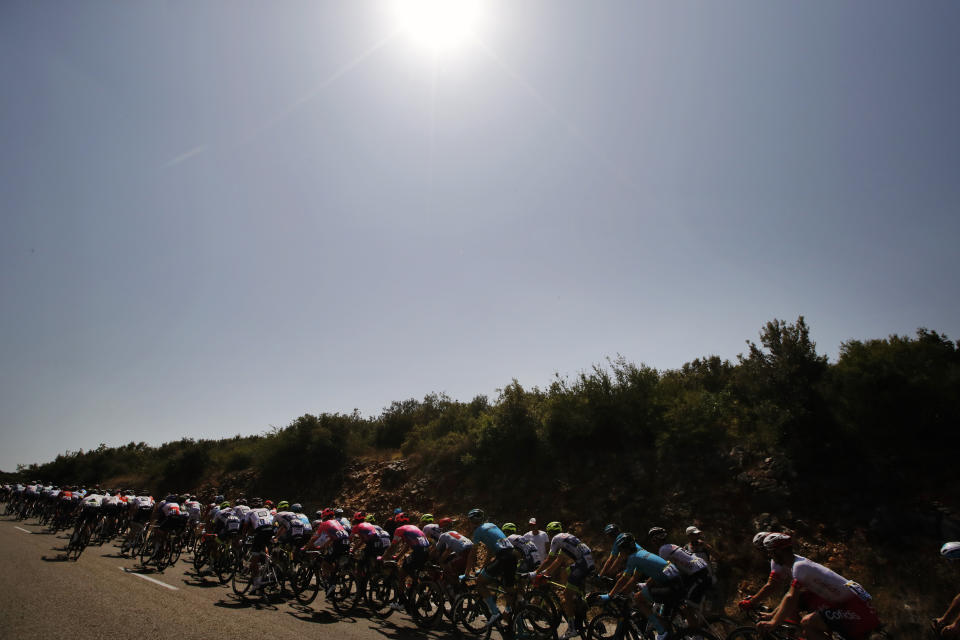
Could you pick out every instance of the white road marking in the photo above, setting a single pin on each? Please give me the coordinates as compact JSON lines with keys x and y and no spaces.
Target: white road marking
{"x":140,"y":575}
{"x":24,"y":530}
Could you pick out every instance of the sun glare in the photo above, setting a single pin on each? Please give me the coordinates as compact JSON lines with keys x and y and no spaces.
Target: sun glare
{"x":438,"y":24}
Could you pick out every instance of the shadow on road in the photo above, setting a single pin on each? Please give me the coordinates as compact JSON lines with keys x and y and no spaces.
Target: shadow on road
{"x":60,"y":558}
{"x":200,"y":581}
{"x":309,"y":615}
{"x":390,"y":630}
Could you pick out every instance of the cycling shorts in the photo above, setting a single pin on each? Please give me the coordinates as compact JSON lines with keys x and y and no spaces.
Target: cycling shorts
{"x":854,"y":618}
{"x":89,"y":514}
{"x":172,"y":523}
{"x":415,"y":559}
{"x":503,"y":568}
{"x":110,"y":509}
{"x":261,"y":539}
{"x":577,"y":578}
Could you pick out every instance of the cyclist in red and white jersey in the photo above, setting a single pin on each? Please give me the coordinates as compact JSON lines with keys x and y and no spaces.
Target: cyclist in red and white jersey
{"x":837,"y":604}
{"x":779,"y":578}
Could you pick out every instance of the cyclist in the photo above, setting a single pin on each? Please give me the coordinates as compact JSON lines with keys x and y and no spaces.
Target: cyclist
{"x":948,"y":625}
{"x":193,"y":510}
{"x":167,"y":518}
{"x":430,"y":528}
{"x":618,"y":552}
{"x":778,"y":579}
{"x":89,"y":512}
{"x":372,"y":541}
{"x":139,"y":510}
{"x":566,"y":548}
{"x":527,"y":554}
{"x":502,"y":567}
{"x":663,"y":584}
{"x":837,"y":604}
{"x":450,"y":550}
{"x":259,"y":522}
{"x":408,"y":537}
{"x":332,"y":539}
{"x":695,"y":570}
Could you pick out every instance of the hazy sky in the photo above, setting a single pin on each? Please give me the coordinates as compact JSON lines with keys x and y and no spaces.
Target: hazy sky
{"x":217,"y":216}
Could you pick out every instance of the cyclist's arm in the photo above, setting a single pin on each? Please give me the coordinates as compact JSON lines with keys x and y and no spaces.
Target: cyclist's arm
{"x":624,"y":583}
{"x":772,"y":582}
{"x":786,"y":611}
{"x":952,"y":615}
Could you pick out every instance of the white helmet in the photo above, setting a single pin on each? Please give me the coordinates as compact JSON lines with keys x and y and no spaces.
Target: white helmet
{"x":758,"y":539}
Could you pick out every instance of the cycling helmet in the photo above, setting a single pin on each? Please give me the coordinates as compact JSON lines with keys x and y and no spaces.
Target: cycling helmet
{"x":282,"y":505}
{"x":370,"y":518}
{"x":426,"y":518}
{"x":476,"y":515}
{"x":318,"y":514}
{"x":256,"y":503}
{"x":327,"y":514}
{"x":553,"y":528}
{"x":611,"y":530}
{"x":296,"y":507}
{"x":444,"y":523}
{"x":401,"y":518}
{"x":758,"y":539}
{"x":171,"y":498}
{"x":626,"y":541}
{"x":657,"y":533}
{"x":268,"y":503}
{"x":509,"y":528}
{"x":950,"y":550}
{"x":338,"y":512}
{"x":359,"y":516}
{"x":225,"y":504}
{"x":219,"y":499}
{"x":776,"y":541}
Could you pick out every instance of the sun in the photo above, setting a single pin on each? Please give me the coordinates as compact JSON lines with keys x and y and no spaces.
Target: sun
{"x":439,"y":25}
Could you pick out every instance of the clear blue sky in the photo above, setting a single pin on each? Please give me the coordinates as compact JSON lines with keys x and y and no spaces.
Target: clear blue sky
{"x":217,"y":216}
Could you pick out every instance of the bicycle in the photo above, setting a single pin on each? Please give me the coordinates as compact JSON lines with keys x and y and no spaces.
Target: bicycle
{"x":339,"y":587}
{"x":243,"y":578}
{"x":79,"y":541}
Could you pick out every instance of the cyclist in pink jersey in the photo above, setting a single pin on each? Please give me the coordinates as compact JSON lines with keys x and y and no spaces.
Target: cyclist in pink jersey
{"x":408,"y":537}
{"x":331,"y":538}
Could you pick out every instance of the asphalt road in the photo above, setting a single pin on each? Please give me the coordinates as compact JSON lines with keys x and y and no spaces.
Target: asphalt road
{"x":101,"y":596}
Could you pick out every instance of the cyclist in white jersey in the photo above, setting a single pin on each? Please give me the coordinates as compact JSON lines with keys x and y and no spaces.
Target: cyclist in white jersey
{"x":565,"y":548}
{"x":779,"y":578}
{"x":948,"y":625}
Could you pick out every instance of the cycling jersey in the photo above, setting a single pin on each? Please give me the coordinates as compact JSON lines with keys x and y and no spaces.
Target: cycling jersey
{"x":328,"y":531}
{"x":570,"y":545}
{"x":783,"y":572}
{"x":528,"y":552}
{"x":142,"y":502}
{"x":687,"y":564}
{"x":412,"y":535}
{"x":825,"y":585}
{"x":345,"y":523}
{"x":647,"y":564}
{"x":542,"y":540}
{"x":454,"y":542}
{"x":258,"y":519}
{"x":169,"y":509}
{"x":432,"y":531}
{"x":491,"y":537}
{"x":192,"y":507}
{"x":842,"y":604}
{"x":241,"y":511}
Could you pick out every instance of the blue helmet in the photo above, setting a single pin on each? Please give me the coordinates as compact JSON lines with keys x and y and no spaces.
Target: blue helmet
{"x":950,"y":550}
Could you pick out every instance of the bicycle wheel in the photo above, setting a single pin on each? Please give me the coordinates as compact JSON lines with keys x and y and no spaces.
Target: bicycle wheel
{"x":308,"y":585}
{"x":200,"y":556}
{"x":381,"y":591}
{"x":344,"y":595}
{"x":533,"y":623}
{"x":547,"y":601}
{"x":470,"y":614}
{"x":426,"y":604}
{"x":242,"y":579}
{"x":225,"y":565}
{"x":720,"y":625}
